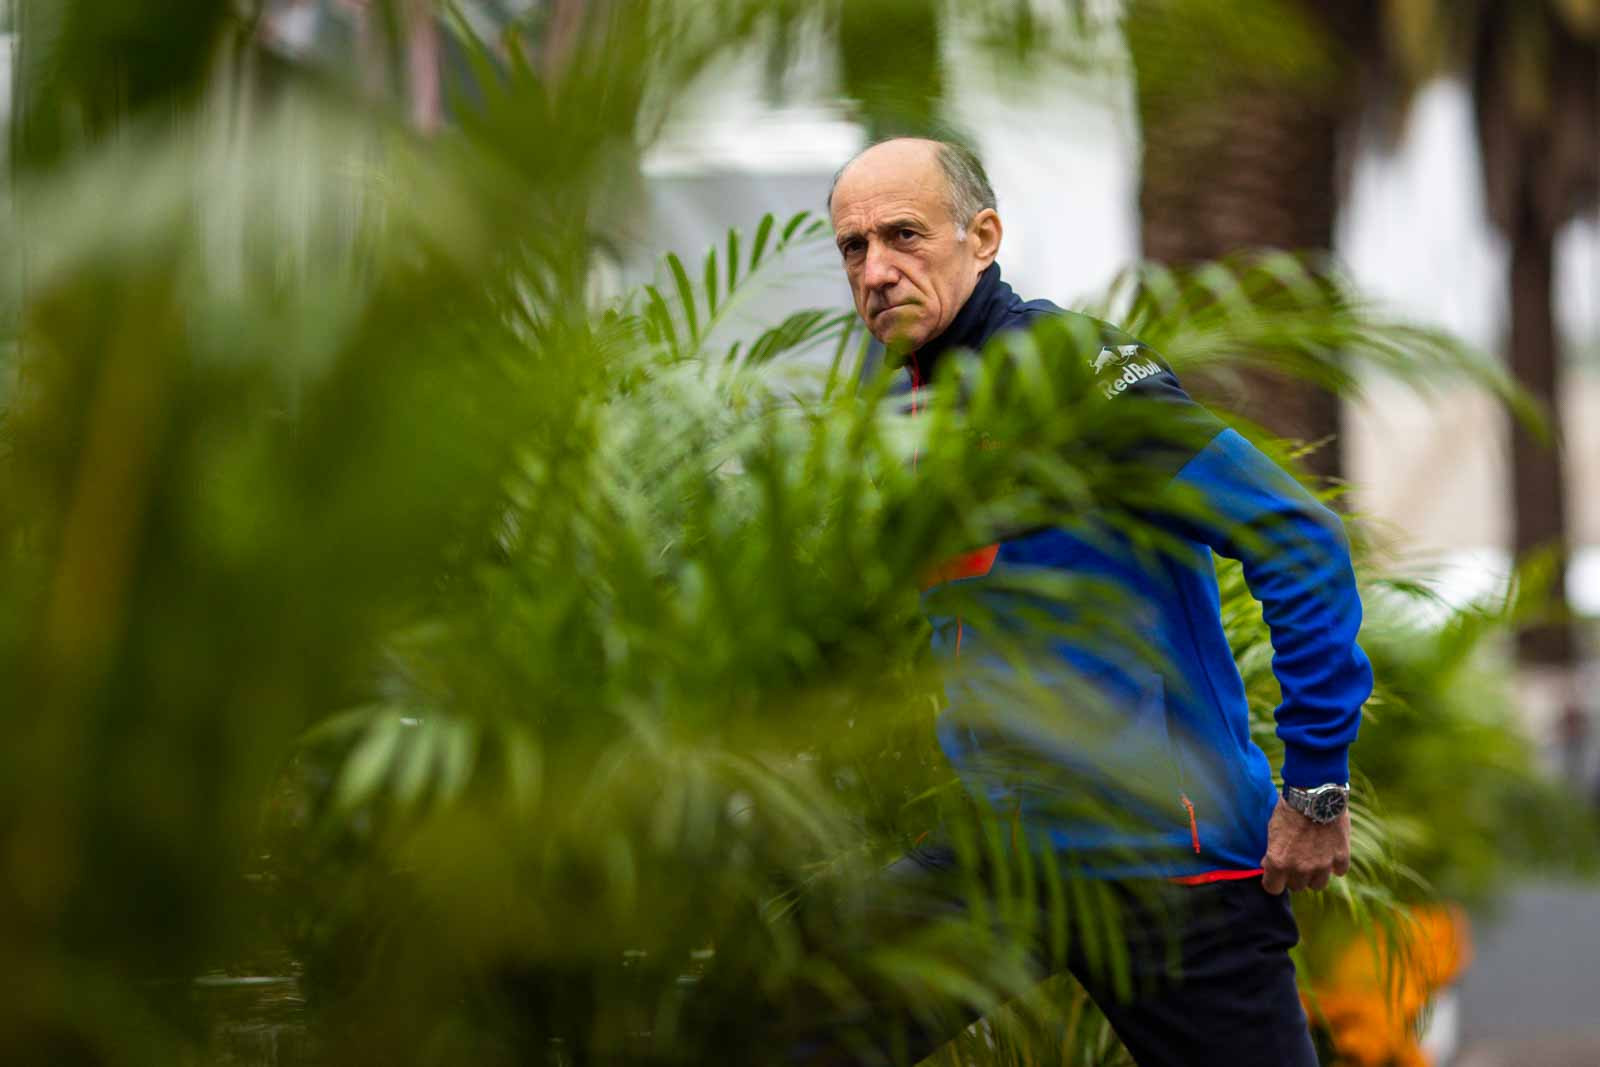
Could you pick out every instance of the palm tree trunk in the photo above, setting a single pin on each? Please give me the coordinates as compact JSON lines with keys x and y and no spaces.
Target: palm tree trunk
{"x":1261,"y":175}
{"x":1251,"y":163}
{"x":1539,"y":499}
{"x":1536,"y":92}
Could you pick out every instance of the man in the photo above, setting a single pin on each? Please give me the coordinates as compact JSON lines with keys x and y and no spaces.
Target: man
{"x":917,"y":229}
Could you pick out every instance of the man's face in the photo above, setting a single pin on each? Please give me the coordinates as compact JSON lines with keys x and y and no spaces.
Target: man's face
{"x":909,"y":265}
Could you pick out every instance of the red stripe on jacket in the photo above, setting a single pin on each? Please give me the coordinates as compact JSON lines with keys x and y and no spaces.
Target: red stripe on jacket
{"x":973,"y":564}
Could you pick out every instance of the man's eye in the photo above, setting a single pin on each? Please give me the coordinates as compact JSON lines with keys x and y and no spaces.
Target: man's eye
{"x":850,"y":248}
{"x":907,"y":235}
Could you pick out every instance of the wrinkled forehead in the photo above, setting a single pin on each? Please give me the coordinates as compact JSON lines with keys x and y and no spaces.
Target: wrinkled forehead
{"x":891,"y":178}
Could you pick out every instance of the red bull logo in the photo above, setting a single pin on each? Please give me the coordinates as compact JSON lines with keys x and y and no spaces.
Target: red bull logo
{"x":1132,"y":372}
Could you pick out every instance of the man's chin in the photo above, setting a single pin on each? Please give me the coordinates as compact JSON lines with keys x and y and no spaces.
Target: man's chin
{"x":899,"y":330}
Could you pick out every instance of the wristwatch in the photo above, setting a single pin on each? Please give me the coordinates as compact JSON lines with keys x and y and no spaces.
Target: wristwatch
{"x":1323,"y":804}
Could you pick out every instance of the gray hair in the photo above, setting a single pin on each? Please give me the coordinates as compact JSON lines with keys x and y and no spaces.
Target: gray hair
{"x":967,"y":186}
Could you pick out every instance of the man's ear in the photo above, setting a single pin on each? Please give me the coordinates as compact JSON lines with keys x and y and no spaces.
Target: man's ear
{"x":985,"y":232}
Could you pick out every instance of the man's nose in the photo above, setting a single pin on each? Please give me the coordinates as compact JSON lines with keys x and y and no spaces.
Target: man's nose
{"x":878,"y":272}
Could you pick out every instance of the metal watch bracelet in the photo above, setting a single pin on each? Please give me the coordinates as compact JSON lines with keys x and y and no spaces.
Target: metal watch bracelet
{"x":1321,"y":805}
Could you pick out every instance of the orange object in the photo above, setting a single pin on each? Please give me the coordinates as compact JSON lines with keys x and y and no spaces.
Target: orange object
{"x":1194,"y":825}
{"x":1371,"y":1000}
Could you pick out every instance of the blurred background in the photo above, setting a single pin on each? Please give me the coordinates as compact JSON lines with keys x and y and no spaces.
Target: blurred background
{"x":1405,"y":139}
{"x":1442,"y":159}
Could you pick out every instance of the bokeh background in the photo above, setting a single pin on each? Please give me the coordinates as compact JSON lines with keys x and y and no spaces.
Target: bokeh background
{"x":1403,"y":205}
{"x":1442,"y":159}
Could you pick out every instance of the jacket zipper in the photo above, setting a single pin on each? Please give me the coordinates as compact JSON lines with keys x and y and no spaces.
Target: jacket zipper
{"x":1194,"y":826}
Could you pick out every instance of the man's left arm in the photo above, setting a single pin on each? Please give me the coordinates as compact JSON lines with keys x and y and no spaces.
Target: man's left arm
{"x":1296,"y":560}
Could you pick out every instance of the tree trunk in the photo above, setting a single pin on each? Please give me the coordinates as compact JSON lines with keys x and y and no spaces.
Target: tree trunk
{"x":1249,"y":160}
{"x":1260,"y":174}
{"x":1539,"y":500}
{"x":1536,"y":94}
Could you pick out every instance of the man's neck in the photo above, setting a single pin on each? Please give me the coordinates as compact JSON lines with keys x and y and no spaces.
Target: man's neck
{"x":966,"y":327}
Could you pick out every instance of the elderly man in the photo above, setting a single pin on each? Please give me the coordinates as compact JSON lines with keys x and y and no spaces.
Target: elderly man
{"x":917,"y":229}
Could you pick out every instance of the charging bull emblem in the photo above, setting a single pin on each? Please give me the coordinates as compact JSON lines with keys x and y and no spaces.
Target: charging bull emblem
{"x":1114,"y":357}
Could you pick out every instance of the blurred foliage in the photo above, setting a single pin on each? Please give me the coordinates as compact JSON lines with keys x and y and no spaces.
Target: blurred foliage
{"x":1446,"y":703}
{"x":1279,"y":42}
{"x":1298,"y":315}
{"x":1450,"y":791}
{"x":545,"y":679}
{"x":1443,"y":709}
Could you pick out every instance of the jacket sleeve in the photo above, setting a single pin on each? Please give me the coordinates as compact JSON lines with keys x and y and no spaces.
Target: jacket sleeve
{"x":1226,"y":494}
{"x":1296,"y":559}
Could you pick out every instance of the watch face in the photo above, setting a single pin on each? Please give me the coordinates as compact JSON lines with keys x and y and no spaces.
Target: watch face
{"x":1328,"y":806}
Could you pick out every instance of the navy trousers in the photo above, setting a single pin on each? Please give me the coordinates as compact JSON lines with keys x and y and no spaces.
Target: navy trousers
{"x":1208,"y":980}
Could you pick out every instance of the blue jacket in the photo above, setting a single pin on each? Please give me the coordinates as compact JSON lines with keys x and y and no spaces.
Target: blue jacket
{"x":1164,"y":742}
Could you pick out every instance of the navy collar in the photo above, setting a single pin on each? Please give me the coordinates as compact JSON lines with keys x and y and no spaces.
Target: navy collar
{"x":973,"y":324}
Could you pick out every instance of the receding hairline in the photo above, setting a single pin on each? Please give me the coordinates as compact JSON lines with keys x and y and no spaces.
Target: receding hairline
{"x":967,"y":188}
